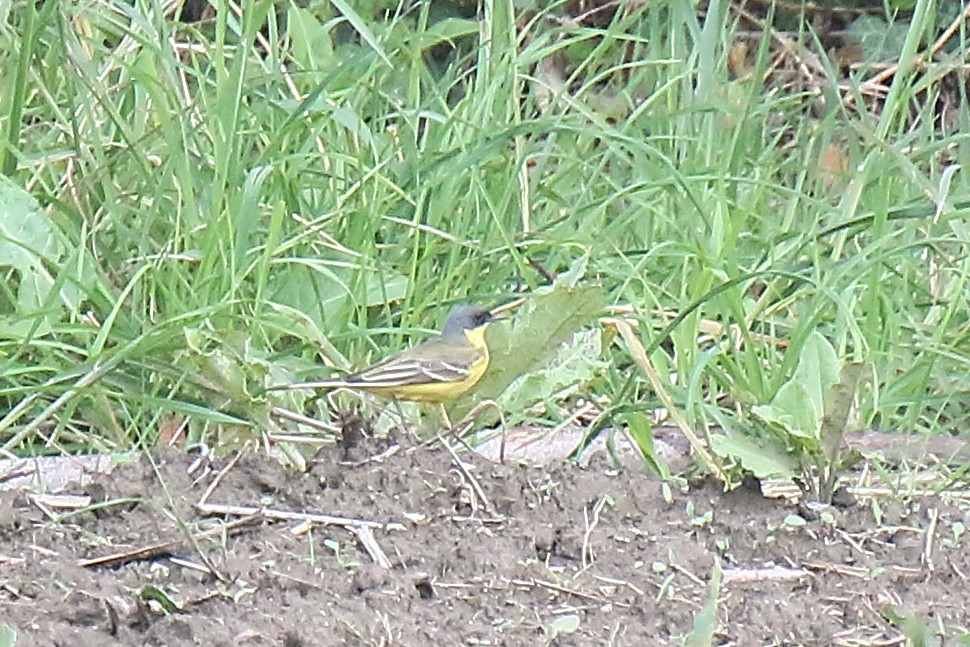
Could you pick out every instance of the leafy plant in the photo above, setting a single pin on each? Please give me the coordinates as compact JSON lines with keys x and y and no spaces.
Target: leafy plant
{"x":806,"y":421}
{"x":277,"y":188}
{"x":38,"y":294}
{"x":705,"y":622}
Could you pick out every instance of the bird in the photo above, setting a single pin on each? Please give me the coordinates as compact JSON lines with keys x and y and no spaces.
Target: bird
{"x":434,"y":371}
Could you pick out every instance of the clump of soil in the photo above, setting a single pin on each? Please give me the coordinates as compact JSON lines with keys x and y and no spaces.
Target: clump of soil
{"x":422,"y":552}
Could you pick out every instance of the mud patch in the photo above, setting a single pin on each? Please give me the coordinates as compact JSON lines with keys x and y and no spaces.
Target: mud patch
{"x":429,"y":554}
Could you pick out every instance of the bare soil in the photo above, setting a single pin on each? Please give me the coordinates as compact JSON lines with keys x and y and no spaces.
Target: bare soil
{"x":561,"y":555}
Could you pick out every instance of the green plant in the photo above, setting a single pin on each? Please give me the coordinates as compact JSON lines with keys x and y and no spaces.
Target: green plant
{"x":805,"y":422}
{"x":218,"y":204}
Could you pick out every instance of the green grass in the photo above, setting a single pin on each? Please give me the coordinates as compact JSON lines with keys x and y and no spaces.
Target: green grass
{"x":212,"y":223}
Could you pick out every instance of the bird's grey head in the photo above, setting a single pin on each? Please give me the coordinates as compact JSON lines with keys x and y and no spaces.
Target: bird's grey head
{"x":462,"y":318}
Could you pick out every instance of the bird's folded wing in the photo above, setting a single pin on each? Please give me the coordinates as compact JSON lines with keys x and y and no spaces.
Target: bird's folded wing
{"x":435,"y":361}
{"x":432,"y":362}
{"x":411,"y":371}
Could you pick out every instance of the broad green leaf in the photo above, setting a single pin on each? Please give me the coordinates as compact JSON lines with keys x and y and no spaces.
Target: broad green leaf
{"x":794,"y":521}
{"x":577,"y":361}
{"x":222,"y":362}
{"x":799,"y":405}
{"x":447,"y":30}
{"x":879,"y":41}
{"x":818,"y":369}
{"x":317,"y":288}
{"x":350,"y":119}
{"x":760,"y":458}
{"x":310,"y":42}
{"x":792,"y":410}
{"x":26,"y":235}
{"x":27,"y":242}
{"x":35,"y":285}
{"x":535,"y":331}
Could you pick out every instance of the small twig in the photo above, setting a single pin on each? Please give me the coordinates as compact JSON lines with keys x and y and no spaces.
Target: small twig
{"x":495,"y":521}
{"x":215,"y":482}
{"x":616,"y":582}
{"x":881,"y":491}
{"x":302,"y":582}
{"x":299,"y":418}
{"x":179,"y":521}
{"x":543,"y":272}
{"x":202,"y":460}
{"x":693,"y":578}
{"x":853,"y":571}
{"x":376,"y":458}
{"x":297,"y":439}
{"x":17,"y":473}
{"x":164,"y":547}
{"x":301,"y":528}
{"x":455,"y":585}
{"x":770,"y":574}
{"x":956,"y":569}
{"x":804,"y":65}
{"x":325,"y":519}
{"x":60,"y":501}
{"x":852,"y":542}
{"x":579,"y":594}
{"x":926,"y":557}
{"x":587,"y":550}
{"x":192,"y":566}
{"x":366,"y":537}
{"x":472,"y":483}
{"x":43,"y":508}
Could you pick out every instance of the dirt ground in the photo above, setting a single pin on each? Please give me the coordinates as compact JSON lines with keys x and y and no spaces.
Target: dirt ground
{"x":490,"y":555}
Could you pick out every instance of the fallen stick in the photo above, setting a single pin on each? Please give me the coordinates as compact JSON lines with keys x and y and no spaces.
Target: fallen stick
{"x":268,"y":513}
{"x":161,"y":548}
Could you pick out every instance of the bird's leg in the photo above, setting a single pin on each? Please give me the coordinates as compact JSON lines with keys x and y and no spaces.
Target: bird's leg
{"x":449,"y":429}
{"x":469,"y":417}
{"x":400,"y":413}
{"x":445,"y":418}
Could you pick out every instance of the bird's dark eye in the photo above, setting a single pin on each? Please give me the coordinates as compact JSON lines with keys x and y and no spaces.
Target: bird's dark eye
{"x":483,"y":318}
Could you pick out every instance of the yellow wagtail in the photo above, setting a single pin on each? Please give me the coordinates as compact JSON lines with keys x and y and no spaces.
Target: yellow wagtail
{"x":436,"y":370}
